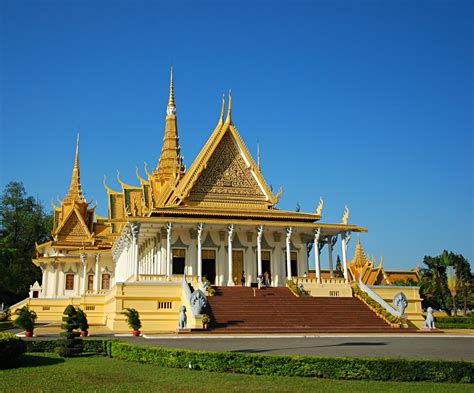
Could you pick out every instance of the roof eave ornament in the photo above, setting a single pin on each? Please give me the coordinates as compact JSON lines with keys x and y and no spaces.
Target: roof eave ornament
{"x":228,"y":120}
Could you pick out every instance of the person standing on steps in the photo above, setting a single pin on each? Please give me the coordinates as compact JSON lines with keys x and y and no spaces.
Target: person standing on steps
{"x":242,"y":279}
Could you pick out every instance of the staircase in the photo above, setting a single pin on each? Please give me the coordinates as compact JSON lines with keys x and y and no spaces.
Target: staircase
{"x":277,"y":310}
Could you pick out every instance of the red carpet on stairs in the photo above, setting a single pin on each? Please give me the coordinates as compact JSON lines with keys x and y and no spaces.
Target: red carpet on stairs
{"x":277,"y":310}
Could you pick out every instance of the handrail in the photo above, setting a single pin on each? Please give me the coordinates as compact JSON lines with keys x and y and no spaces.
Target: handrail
{"x":378,"y":299}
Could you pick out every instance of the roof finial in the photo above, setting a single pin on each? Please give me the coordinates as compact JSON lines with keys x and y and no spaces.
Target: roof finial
{"x":229,"y":109}
{"x":171,"y":108}
{"x":258,"y":155}
{"x":75,"y":189}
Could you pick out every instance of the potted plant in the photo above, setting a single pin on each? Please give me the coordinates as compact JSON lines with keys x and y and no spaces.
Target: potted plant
{"x":26,"y":320}
{"x":83,"y":323}
{"x":133,"y":320}
{"x":206,"y":320}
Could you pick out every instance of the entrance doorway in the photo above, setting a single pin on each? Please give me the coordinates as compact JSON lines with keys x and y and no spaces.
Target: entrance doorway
{"x":237,"y":265}
{"x":266,"y":263}
{"x":209,"y":265}
{"x":179,"y":255}
{"x":294,"y":264}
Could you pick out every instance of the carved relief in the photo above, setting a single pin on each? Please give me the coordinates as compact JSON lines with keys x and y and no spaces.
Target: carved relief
{"x":72,"y":228}
{"x":226,"y":176}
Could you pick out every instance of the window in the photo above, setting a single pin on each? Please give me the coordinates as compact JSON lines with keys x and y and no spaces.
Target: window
{"x":69,"y":282}
{"x":105,"y":281}
{"x":90,"y":282}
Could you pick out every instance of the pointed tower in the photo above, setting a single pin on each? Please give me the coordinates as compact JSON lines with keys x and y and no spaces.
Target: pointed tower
{"x":73,"y":220}
{"x":170,"y":165}
{"x":75,"y":188}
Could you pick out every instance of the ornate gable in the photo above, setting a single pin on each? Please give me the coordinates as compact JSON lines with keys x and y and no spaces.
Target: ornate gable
{"x":227,"y":178}
{"x":73,"y":229}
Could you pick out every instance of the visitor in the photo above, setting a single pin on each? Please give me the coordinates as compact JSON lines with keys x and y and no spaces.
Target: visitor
{"x":305,"y":275}
{"x":242,"y":279}
{"x":267,"y":279}
{"x":260,"y":281}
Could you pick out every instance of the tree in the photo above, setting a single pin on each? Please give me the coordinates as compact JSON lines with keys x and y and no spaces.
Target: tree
{"x":72,"y":345}
{"x":22,"y":223}
{"x":434,"y":288}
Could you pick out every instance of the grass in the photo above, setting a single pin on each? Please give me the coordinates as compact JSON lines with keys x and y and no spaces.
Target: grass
{"x":47,"y":372}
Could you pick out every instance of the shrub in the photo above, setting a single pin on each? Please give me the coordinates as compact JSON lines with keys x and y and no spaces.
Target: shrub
{"x":89,"y":345}
{"x":6,"y":315}
{"x":26,"y":319}
{"x":301,"y":366}
{"x":11,"y":347}
{"x":82,"y":319}
{"x":293,"y":287}
{"x":133,"y":318}
{"x":72,"y":345}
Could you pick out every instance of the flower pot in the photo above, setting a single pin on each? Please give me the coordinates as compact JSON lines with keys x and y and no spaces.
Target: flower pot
{"x":84,"y":333}
{"x":136,"y":333}
{"x":28,"y":333}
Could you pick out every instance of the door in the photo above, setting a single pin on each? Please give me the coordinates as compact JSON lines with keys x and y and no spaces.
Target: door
{"x":237,"y":265}
{"x":179,"y":255}
{"x":208,"y":258}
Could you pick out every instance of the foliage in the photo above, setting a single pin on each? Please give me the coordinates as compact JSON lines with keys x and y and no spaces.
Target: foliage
{"x":338,"y":271}
{"x":434,"y":288}
{"x":11,"y":347}
{"x":377,"y":369}
{"x":455,"y":322}
{"x":206,"y":319}
{"x":6,"y":315}
{"x":375,"y":305}
{"x":133,"y":318}
{"x":409,"y":282}
{"x":47,"y":373}
{"x":293,"y":287}
{"x":89,"y":345}
{"x":82,"y":319}
{"x":4,"y":325}
{"x":26,"y":318}
{"x":22,"y":223}
{"x":72,"y":345}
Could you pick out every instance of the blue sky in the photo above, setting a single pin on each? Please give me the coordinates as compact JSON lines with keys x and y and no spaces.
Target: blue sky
{"x":366,"y":103}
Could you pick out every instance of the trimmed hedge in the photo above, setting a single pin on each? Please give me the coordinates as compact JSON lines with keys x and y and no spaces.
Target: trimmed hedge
{"x":375,"y":369}
{"x":5,"y":325}
{"x":11,"y":347}
{"x":300,"y":366}
{"x":89,"y":345}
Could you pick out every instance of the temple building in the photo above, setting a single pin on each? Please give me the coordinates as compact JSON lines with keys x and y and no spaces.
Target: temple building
{"x":210,"y":222}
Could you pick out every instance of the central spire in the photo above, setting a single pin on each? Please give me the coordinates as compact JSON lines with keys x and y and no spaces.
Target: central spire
{"x":75,"y":188}
{"x":171,"y":108}
{"x":171,"y":163}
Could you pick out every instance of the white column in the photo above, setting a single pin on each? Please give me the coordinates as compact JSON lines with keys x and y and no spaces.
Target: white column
{"x":135,"y":226}
{"x":55,"y":266}
{"x":230,"y":236}
{"x":169,"y":228}
{"x":259,"y":250}
{"x":83,"y":257}
{"x":331,"y":267}
{"x":289,"y":231}
{"x":199,"y":228}
{"x":44,"y":281}
{"x":97,"y":273}
{"x":345,"y":237}
{"x":317,"y":259}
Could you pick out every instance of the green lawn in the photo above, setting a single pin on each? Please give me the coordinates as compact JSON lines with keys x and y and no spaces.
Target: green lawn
{"x":47,"y":372}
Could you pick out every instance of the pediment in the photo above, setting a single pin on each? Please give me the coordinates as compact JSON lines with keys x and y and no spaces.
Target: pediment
{"x":227,"y":177}
{"x":73,"y":228}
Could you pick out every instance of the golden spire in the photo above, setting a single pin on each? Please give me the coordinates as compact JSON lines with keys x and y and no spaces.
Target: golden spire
{"x":228,"y":120}
{"x":221,"y":118}
{"x":170,"y":165}
{"x":75,"y":189}
{"x":359,"y":260}
{"x":171,"y":108}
